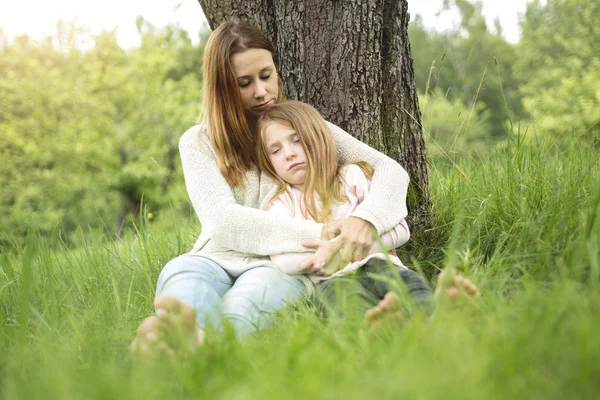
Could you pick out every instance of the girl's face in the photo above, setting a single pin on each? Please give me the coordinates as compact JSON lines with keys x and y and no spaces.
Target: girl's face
{"x":255,"y":72}
{"x":286,"y":153}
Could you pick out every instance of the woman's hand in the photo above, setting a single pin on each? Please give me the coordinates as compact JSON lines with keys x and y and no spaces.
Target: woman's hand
{"x":334,"y":265}
{"x":354,"y":238}
{"x":325,"y":261}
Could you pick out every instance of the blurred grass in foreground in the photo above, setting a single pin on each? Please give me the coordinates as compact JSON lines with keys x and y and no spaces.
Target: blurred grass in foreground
{"x":522,"y":223}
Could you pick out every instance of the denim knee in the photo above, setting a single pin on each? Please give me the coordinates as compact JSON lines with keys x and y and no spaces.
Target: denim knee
{"x":256,"y":295}
{"x":192,"y":267}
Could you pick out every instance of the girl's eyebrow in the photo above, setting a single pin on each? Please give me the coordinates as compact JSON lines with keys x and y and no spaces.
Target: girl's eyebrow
{"x":277,"y":143}
{"x":273,"y":144}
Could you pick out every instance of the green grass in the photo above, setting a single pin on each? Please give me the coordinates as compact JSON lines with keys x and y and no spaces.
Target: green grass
{"x":522,"y":223}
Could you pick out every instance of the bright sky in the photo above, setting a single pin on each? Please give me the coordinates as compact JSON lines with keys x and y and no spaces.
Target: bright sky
{"x":38,"y":17}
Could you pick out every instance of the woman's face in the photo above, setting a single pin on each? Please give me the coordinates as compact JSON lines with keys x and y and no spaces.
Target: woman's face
{"x":255,"y":72}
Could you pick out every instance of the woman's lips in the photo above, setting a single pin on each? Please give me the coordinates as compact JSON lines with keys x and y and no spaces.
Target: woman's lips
{"x":295,"y":165}
{"x":264,"y":106}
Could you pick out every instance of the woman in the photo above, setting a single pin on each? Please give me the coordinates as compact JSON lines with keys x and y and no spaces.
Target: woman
{"x":228,"y":276}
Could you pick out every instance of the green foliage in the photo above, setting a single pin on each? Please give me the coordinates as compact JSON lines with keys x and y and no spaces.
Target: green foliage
{"x":559,"y":64}
{"x":90,"y":130}
{"x":88,"y":133}
{"x":49,"y":174}
{"x":470,"y":64}
{"x":549,"y":80}
{"x":450,"y":127}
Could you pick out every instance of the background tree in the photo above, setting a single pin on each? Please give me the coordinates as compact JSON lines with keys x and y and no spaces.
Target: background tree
{"x":86,"y":134}
{"x":352,"y":61}
{"x":560,"y":65}
{"x":90,"y":129}
{"x":469,"y":63}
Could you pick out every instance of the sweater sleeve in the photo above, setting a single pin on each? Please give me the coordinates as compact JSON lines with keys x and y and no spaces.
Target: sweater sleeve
{"x":231,"y":225}
{"x":358,"y":185}
{"x":392,"y":239}
{"x":288,"y":263}
{"x":385,"y":206}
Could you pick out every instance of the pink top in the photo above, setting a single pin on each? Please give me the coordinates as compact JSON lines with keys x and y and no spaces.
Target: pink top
{"x":356,"y":186}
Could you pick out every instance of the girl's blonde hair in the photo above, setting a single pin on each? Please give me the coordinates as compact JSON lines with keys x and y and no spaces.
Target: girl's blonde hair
{"x":227,"y":125}
{"x":324,"y":171}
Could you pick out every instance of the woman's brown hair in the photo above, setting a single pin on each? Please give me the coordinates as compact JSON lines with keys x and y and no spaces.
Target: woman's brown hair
{"x":227,"y":125}
{"x":323,"y":178}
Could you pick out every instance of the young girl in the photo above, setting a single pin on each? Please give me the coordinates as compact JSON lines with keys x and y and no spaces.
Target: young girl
{"x":297,"y":150}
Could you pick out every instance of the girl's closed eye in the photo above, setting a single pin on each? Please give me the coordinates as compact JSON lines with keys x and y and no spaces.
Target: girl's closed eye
{"x":275,"y":150}
{"x":244,"y":83}
{"x":265,"y":77}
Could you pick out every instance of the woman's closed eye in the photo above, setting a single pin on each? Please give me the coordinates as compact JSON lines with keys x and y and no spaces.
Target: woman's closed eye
{"x":246,"y":83}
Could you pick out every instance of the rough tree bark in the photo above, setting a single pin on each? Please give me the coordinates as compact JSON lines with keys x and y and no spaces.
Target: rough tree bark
{"x":350,"y":59}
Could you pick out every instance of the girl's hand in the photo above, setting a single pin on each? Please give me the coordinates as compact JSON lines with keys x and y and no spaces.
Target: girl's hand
{"x":325,"y":261}
{"x":354,"y":238}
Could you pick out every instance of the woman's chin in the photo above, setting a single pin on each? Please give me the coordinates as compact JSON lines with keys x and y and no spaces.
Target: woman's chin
{"x":251,"y":115}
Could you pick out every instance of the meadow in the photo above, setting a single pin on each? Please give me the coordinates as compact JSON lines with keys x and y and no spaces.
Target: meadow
{"x":521,"y":222}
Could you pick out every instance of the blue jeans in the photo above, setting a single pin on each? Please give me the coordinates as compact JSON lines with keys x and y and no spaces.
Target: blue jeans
{"x":366,"y":290}
{"x":247,"y":302}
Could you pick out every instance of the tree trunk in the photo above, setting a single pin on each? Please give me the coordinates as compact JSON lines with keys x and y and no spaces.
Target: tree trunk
{"x":351,"y":60}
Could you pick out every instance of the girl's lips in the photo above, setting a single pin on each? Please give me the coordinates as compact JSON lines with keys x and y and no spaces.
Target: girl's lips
{"x":264,"y":106}
{"x":296,"y":165}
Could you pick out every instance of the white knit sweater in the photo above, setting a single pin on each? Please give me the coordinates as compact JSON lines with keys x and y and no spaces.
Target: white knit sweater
{"x":239,"y":236}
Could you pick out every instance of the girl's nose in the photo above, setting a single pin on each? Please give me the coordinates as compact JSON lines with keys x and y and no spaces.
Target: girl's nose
{"x":289,"y":152}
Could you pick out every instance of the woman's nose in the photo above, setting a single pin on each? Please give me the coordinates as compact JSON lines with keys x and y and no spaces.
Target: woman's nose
{"x":260,"y":90}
